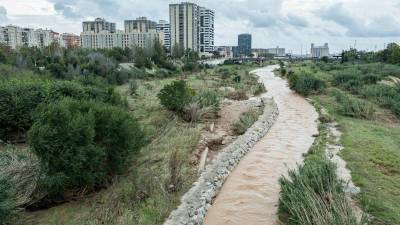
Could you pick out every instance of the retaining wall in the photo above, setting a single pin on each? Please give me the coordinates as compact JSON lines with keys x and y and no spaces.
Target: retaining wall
{"x":196,"y":202}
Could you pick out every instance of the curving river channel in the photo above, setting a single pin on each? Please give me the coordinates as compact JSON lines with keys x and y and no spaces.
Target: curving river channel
{"x":250,"y":194}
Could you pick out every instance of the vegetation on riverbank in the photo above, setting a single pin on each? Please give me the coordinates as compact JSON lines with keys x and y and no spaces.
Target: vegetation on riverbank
{"x":363,"y":95}
{"x":77,"y":149}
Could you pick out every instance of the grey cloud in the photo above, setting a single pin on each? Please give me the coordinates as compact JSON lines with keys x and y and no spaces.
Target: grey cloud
{"x":296,"y":21}
{"x":383,"y":26}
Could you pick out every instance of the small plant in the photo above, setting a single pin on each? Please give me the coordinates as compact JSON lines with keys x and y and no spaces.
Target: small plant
{"x":259,"y":88}
{"x":193,"y":112}
{"x":133,"y":86}
{"x":176,"y":96}
{"x":246,"y":120}
{"x":207,"y":98}
{"x":175,"y":179}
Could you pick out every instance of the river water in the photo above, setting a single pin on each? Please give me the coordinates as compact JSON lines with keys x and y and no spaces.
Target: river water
{"x":251,"y":193}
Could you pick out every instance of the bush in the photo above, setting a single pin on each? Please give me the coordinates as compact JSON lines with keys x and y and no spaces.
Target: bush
{"x":306,"y":84}
{"x":176,"y":96}
{"x":7,"y":204}
{"x":190,"y":67}
{"x":207,"y":98}
{"x":313,"y":195}
{"x":239,"y":95}
{"x":354,"y":107}
{"x":246,"y":120}
{"x":19,"y":98}
{"x":133,"y":86}
{"x":259,"y":88}
{"x":81,"y":143}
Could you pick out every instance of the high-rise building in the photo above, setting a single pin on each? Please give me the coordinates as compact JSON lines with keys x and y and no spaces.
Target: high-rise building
{"x":184,"y":19}
{"x":164,"y":27}
{"x":280,"y":52}
{"x":244,"y":44}
{"x":206,"y":30}
{"x":141,"y":24}
{"x":319,"y":51}
{"x":186,"y":27}
{"x":99,"y":25}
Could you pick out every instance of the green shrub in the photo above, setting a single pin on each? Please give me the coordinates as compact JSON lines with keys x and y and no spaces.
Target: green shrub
{"x":20,"y":97}
{"x":176,"y":96}
{"x":81,"y":143}
{"x":306,"y":84}
{"x":245,"y":121}
{"x":7,"y":204}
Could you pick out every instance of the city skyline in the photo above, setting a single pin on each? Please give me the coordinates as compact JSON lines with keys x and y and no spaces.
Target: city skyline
{"x":290,"y":24}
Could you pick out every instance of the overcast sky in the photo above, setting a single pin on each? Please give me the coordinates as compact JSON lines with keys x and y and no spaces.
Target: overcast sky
{"x":293,"y":24}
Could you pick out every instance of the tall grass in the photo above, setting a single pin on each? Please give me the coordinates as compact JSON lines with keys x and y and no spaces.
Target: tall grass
{"x":312,"y":195}
{"x":353,"y":107}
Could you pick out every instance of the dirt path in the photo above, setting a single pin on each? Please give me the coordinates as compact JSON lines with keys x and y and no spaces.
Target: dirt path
{"x":250,"y":195}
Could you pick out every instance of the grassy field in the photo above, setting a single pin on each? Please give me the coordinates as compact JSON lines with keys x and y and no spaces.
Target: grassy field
{"x":160,"y":175}
{"x":372,"y":148}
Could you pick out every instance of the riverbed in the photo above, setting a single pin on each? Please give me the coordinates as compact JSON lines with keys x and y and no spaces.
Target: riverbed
{"x":251,"y":193}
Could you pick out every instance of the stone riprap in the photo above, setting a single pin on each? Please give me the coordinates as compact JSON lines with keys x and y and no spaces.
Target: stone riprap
{"x":196,"y":202}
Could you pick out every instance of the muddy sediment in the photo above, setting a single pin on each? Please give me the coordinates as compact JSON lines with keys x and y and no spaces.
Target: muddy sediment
{"x":251,"y":193}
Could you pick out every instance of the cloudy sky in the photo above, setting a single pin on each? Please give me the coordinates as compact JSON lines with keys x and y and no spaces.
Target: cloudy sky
{"x":293,"y":24}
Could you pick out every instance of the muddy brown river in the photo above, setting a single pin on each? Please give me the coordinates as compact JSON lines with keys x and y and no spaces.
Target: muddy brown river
{"x":251,"y":193}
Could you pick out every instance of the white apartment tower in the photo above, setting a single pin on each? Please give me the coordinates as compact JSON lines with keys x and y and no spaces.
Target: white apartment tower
{"x":185,"y":20}
{"x":164,"y":27}
{"x":206,"y":30}
{"x":192,"y":27}
{"x":319,"y":51}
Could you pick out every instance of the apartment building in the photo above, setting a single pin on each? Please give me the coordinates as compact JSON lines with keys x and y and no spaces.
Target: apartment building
{"x":164,"y":27}
{"x":107,"y":40}
{"x":71,"y":40}
{"x":206,"y":30}
{"x":319,"y":51}
{"x":280,"y":52}
{"x":99,"y":25}
{"x":192,"y":27}
{"x":14,"y":37}
{"x":141,"y":25}
{"x":140,"y":32}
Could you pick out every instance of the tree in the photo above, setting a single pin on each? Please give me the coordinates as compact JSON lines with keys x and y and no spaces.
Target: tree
{"x":177,"y":51}
{"x":159,"y":55}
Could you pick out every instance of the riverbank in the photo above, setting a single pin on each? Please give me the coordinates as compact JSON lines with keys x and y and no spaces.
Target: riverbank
{"x":251,"y":193}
